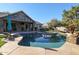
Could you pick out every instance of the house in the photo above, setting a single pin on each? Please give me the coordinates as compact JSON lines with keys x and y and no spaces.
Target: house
{"x":38,"y":26}
{"x":19,"y":22}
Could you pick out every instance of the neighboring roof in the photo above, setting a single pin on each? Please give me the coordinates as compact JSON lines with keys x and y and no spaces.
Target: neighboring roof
{"x":2,"y":14}
{"x":45,"y":24}
{"x":22,"y":19}
{"x":38,"y":23}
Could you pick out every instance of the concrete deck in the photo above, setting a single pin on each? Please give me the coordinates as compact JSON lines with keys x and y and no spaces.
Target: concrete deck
{"x":12,"y":48}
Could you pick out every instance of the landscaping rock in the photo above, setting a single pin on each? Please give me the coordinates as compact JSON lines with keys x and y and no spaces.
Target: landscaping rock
{"x":72,"y":38}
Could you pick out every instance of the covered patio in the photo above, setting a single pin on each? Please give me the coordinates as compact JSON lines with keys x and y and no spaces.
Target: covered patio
{"x":19,"y":21}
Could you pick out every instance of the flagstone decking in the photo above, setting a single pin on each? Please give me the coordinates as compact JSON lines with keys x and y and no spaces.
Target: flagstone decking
{"x":12,"y":48}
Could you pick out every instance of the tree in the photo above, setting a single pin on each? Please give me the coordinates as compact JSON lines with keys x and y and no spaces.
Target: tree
{"x":71,"y":28}
{"x":70,"y":19}
{"x":70,"y":14}
{"x":53,"y":23}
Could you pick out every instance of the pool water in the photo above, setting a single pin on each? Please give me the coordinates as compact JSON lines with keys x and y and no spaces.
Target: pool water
{"x":37,"y":40}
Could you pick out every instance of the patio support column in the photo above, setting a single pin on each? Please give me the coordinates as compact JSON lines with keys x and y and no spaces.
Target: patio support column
{"x":27,"y":27}
{"x":4,"y":26}
{"x":1,"y":25}
{"x":18,"y":27}
{"x":24,"y":27}
{"x":30,"y":26}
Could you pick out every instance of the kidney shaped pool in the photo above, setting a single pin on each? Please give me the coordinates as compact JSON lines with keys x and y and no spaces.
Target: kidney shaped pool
{"x":43,"y":40}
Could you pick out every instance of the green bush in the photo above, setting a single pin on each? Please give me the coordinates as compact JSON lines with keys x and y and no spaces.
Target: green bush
{"x":15,"y":36}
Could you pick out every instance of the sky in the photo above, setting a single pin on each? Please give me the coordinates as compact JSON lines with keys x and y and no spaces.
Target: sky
{"x":41,"y":12}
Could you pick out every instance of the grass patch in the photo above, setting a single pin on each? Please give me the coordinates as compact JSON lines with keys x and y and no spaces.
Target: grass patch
{"x":1,"y":40}
{"x":2,"y":36}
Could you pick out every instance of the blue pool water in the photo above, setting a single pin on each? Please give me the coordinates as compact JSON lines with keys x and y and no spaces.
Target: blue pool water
{"x":37,"y":40}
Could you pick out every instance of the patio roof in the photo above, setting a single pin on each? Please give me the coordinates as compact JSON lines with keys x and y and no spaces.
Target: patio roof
{"x":19,"y":16}
{"x":38,"y":23}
